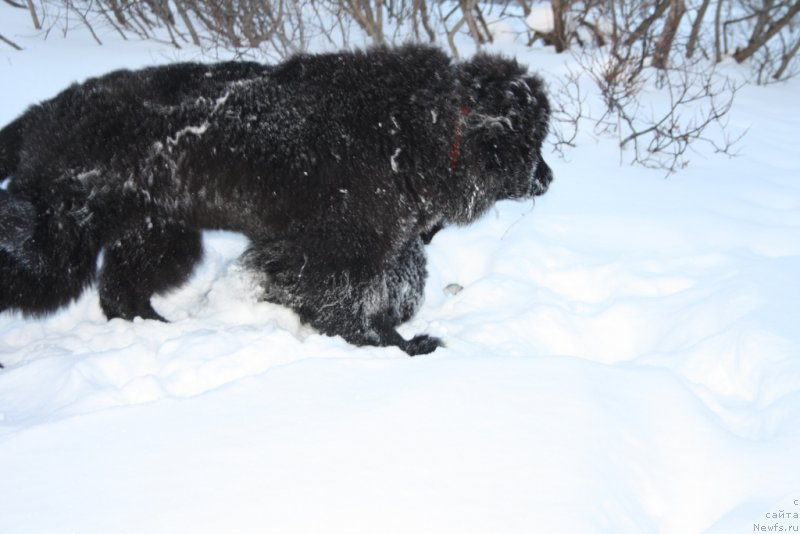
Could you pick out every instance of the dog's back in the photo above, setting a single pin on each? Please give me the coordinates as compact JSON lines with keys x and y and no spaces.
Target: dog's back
{"x":10,"y":145}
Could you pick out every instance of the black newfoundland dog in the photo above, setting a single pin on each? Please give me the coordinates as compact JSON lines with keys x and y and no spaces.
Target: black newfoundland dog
{"x":337,"y":167}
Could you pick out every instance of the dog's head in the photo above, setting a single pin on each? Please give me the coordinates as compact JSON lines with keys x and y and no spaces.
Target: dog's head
{"x":506,"y":125}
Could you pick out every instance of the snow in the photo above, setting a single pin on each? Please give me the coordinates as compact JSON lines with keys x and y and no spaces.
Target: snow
{"x":624,"y":357}
{"x":541,"y":18}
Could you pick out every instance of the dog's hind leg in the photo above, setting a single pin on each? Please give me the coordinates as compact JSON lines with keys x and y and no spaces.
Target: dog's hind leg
{"x":47,"y":254}
{"x":150,"y":257}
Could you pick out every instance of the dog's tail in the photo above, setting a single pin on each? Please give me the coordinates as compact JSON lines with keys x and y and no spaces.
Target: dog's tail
{"x":48,"y":254}
{"x":10,"y":145}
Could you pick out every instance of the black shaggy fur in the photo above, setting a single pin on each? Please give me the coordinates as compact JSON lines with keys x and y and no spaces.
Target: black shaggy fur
{"x":335,"y":166}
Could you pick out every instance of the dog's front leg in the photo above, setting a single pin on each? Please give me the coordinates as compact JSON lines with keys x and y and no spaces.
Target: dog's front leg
{"x":363,"y":305}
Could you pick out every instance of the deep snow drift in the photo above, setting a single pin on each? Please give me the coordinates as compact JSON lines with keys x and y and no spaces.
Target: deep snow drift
{"x":624,"y":357}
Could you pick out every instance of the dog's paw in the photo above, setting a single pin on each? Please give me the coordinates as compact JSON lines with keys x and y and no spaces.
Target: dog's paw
{"x":114,"y":309}
{"x":422,"y":344}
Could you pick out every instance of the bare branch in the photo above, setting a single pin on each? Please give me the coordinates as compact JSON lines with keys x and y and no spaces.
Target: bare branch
{"x":649,"y":133}
{"x":786,"y":61}
{"x":696,"y":25}
{"x":10,"y":43}
{"x":34,"y":16}
{"x":664,"y":44}
{"x":717,"y":33}
{"x":761,"y":36}
{"x":644,"y":26}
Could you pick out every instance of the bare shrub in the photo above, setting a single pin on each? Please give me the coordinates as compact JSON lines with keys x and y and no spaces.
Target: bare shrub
{"x":766,"y":34}
{"x":656,"y":102}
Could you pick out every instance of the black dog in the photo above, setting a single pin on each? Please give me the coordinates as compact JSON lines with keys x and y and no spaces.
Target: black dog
{"x":335,"y":166}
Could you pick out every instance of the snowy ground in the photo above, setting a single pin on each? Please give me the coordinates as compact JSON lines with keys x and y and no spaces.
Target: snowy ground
{"x":624,"y":358}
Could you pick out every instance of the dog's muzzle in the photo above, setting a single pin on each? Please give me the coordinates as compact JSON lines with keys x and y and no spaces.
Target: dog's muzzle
{"x":541,"y":178}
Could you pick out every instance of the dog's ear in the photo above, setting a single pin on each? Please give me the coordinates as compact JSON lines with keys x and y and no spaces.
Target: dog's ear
{"x":497,"y":87}
{"x":501,"y":97}
{"x":486,"y":71}
{"x":488,"y":84}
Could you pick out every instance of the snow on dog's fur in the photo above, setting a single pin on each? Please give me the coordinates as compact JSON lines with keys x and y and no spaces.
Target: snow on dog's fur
{"x":334,"y":166}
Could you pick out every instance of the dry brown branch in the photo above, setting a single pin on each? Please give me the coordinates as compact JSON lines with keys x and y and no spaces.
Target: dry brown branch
{"x":568,"y":111}
{"x":763,"y":33}
{"x":187,"y":21}
{"x":10,"y":43}
{"x":559,"y":37}
{"x":34,"y":16}
{"x":718,"y":32}
{"x":786,"y":61}
{"x":664,"y":45}
{"x":694,"y":35}
{"x":420,"y":15}
{"x":369,"y":19}
{"x":644,"y":26}
{"x":467,"y":7}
